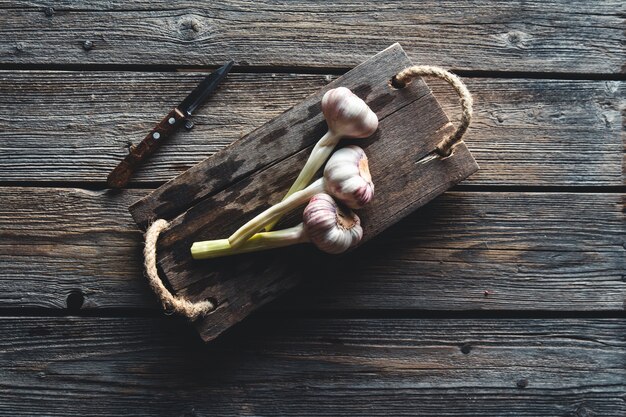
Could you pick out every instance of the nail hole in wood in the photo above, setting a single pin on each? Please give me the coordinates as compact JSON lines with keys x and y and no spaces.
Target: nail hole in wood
{"x":396,"y":84}
{"x":75,"y":300}
{"x":466,"y":348}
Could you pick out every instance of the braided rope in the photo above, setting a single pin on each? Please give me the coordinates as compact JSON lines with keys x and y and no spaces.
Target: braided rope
{"x":404,"y":77}
{"x":170,"y":302}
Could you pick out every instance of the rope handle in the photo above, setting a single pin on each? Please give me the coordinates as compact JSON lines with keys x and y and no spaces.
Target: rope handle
{"x":404,"y":77}
{"x":170,"y":302}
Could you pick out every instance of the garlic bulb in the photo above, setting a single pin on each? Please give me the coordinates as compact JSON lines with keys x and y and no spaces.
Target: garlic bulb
{"x":346,"y":177}
{"x":330,"y":228}
{"x":349,"y":177}
{"x":347,"y":116}
{"x":326,"y":225}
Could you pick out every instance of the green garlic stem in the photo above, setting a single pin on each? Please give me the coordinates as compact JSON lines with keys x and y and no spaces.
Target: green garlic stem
{"x":294,"y":200}
{"x":209,"y":249}
{"x":320,"y":153}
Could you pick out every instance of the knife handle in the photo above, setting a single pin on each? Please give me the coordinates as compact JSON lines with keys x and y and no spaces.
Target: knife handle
{"x":136,"y":154}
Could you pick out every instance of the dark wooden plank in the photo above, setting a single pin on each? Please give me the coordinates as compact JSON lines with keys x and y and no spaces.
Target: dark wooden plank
{"x":530,"y":251}
{"x":56,"y":241}
{"x":298,"y":128}
{"x":544,"y":132}
{"x":104,"y":112}
{"x":556,"y":35}
{"x":519,"y":124}
{"x":307,"y":367}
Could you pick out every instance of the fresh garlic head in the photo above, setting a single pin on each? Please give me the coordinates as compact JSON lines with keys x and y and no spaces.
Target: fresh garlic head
{"x":330,"y":228}
{"x":348,"y":115}
{"x":348,"y":178}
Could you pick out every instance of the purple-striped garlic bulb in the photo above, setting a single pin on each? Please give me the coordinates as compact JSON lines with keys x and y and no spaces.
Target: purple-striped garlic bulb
{"x":329,"y":227}
{"x":346,"y":177}
{"x":347,"y":115}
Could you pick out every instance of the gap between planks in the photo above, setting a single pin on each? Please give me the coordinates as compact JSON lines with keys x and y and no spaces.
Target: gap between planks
{"x":151,"y":186}
{"x":276,"y":313}
{"x":238,"y":69}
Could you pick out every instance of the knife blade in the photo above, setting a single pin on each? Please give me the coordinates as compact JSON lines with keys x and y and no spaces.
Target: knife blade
{"x":120,"y":176}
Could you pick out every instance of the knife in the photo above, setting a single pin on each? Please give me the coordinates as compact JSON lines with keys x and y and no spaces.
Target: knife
{"x":137,"y":153}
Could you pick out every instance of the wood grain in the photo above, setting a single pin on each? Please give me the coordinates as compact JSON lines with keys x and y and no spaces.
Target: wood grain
{"x":311,"y":367}
{"x":525,"y":131}
{"x":530,"y":251}
{"x":553,"y":253}
{"x":556,"y":35}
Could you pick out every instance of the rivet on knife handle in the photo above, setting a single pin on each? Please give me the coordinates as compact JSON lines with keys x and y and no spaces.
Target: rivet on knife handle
{"x":137,"y":153}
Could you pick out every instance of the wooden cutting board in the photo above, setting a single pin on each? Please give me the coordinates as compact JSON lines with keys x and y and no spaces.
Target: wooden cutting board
{"x":212,"y":199}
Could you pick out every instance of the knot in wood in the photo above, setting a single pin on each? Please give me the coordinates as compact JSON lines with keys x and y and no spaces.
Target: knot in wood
{"x":517,"y":39}
{"x":190,"y":27}
{"x":522,"y":383}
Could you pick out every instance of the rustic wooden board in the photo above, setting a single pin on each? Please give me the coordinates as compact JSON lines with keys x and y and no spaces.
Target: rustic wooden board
{"x":555,"y":35}
{"x":215,"y":197}
{"x":519,"y":124}
{"x":310,"y":367}
{"x":532,"y":251}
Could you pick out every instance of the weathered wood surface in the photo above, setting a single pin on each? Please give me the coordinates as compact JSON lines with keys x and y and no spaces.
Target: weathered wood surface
{"x":547,"y":252}
{"x":530,"y":251}
{"x":519,"y":124}
{"x":307,"y":367}
{"x":557,"y":35}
